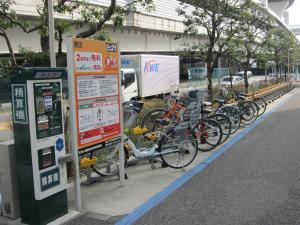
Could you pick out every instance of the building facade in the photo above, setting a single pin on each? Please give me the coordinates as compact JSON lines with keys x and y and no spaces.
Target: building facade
{"x":157,"y":31}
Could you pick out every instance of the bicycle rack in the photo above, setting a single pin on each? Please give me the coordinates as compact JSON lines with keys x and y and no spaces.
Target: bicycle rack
{"x":90,"y":179}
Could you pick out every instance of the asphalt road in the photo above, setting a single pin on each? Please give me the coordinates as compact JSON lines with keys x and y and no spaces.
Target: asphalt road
{"x":257,"y":181}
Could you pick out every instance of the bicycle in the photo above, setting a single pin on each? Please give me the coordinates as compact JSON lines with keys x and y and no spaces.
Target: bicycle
{"x":175,"y":145}
{"x":174,"y":113}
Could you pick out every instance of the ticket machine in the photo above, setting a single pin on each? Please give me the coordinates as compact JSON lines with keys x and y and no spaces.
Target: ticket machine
{"x":40,"y":144}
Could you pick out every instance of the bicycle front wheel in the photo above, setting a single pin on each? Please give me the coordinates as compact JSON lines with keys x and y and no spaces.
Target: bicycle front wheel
{"x":107,"y":161}
{"x":149,"y":119}
{"x":262,"y":104}
{"x":225,"y":124}
{"x":177,"y":150}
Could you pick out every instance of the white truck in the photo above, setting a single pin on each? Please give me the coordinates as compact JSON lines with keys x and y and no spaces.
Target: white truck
{"x":149,"y":75}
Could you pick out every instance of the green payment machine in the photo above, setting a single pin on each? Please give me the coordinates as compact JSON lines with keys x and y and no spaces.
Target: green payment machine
{"x":40,"y":144}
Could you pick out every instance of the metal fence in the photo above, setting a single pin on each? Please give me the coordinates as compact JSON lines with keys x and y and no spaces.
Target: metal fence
{"x":218,"y":75}
{"x":198,"y":76}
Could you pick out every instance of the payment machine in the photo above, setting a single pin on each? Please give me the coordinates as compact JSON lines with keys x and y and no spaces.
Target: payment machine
{"x":40,"y":144}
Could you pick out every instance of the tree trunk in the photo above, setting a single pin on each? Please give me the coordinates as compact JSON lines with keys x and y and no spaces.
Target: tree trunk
{"x":10,"y":49}
{"x":45,"y":44}
{"x":60,"y":40}
{"x":246,"y":68}
{"x":210,"y":70}
{"x":44,"y":39}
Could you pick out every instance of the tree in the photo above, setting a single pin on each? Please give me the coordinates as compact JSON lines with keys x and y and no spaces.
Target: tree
{"x":249,"y":41}
{"x":96,"y":17}
{"x":217,"y":17}
{"x":279,"y":40}
{"x":85,"y":14}
{"x":9,"y":20}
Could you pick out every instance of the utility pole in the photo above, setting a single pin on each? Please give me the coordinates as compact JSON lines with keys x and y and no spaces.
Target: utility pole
{"x":51,"y":34}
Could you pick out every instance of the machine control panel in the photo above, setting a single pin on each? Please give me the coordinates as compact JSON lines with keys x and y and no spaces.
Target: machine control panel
{"x":47,"y":136}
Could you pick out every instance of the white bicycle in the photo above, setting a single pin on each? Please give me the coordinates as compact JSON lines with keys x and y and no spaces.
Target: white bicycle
{"x":175,"y":145}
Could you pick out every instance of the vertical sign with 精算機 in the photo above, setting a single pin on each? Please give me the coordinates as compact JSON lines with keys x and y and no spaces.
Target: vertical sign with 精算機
{"x":19,"y":103}
{"x":97,"y":93}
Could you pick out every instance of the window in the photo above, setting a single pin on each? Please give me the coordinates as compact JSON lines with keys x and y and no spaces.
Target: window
{"x":129,"y":78}
{"x":226,"y":79}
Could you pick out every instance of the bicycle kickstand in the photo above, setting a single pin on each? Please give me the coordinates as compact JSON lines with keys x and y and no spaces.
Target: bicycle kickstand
{"x":152,"y":163}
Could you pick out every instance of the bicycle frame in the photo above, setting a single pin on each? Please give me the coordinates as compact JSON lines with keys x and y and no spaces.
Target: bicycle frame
{"x":137,"y":152}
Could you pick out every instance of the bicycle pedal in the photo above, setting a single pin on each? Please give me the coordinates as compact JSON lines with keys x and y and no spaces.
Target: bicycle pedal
{"x":164,"y":165}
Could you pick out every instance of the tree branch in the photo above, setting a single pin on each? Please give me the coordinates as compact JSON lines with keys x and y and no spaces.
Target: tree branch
{"x":11,"y":51}
{"x":108,"y":14}
{"x":17,"y":23}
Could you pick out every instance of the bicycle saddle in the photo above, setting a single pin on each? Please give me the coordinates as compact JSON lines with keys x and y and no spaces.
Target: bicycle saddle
{"x":241,"y":97}
{"x":219,"y":101}
{"x":136,"y":106}
{"x":162,"y":122}
{"x":207,"y":111}
{"x":206,"y":103}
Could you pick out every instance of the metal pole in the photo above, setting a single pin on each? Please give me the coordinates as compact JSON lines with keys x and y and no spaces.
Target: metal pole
{"x":121,"y":149}
{"x":51,"y":34}
{"x":73,"y":136}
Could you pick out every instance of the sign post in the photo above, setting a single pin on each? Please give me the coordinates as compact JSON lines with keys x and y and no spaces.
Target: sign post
{"x":95,"y":99}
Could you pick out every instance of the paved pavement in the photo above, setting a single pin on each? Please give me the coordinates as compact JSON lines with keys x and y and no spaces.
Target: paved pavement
{"x":257,"y":181}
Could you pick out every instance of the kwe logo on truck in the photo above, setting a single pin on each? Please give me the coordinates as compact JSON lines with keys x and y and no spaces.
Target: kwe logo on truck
{"x":125,"y":61}
{"x":151,"y":66}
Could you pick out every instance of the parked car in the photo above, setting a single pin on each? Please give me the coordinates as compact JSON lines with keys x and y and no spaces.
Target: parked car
{"x":236,"y":80}
{"x":241,"y":74}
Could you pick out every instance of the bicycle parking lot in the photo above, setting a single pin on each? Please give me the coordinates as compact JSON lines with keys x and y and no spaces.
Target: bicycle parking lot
{"x":144,"y":183}
{"x":106,"y":201}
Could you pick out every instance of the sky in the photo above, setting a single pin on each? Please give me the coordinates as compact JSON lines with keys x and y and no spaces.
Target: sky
{"x":295,"y":13}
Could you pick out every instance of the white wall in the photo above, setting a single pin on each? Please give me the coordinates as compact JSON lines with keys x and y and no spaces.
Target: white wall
{"x":130,"y":39}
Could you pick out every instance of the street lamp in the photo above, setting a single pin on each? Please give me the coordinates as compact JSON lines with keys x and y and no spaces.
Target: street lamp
{"x":289,"y":60}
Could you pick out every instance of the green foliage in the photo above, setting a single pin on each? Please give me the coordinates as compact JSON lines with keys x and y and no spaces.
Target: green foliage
{"x":33,"y":58}
{"x":215,"y":18}
{"x":279,"y":41}
{"x":102,"y":35}
{"x":248,"y":44}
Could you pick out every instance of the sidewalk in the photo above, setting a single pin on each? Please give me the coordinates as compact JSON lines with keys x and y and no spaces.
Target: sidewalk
{"x":106,"y":200}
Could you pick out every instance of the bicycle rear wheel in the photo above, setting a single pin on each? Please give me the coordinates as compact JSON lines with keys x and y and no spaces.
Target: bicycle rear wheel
{"x":225,"y":124}
{"x":178,"y":151}
{"x":208,"y":135}
{"x":248,"y":114}
{"x":234,"y":116}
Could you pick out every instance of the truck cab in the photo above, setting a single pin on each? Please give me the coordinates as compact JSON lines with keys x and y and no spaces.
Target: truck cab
{"x":129,"y":84}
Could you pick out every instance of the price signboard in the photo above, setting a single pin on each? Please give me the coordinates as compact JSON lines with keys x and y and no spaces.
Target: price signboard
{"x":94,"y":67}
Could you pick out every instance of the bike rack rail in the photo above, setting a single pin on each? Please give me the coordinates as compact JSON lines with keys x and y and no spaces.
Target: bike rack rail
{"x":274,"y":92}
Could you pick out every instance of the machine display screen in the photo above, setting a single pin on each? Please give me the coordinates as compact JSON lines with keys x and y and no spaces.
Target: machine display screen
{"x":46,"y":157}
{"x":48,"y":113}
